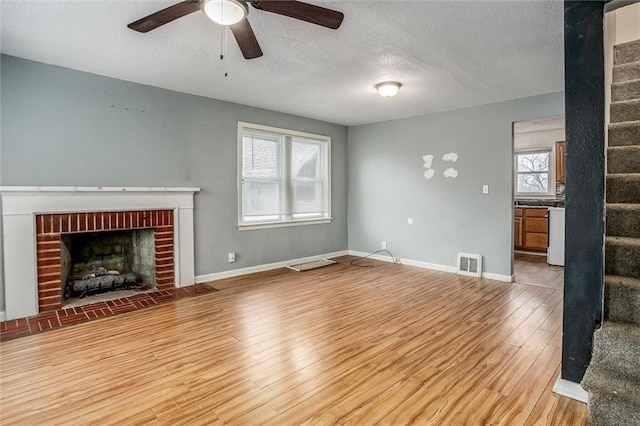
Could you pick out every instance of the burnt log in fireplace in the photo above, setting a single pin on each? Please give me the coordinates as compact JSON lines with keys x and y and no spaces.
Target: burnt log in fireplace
{"x":97,"y":262}
{"x":100,"y":280}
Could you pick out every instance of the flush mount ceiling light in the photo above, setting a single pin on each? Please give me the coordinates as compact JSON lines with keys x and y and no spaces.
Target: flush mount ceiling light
{"x":388,"y":88}
{"x":225,"y":12}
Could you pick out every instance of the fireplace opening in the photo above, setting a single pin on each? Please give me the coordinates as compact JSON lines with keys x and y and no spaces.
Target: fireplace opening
{"x":103,"y":265}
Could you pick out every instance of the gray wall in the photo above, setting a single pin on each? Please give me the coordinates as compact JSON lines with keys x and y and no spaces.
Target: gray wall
{"x":65,"y":127}
{"x":387,"y":185}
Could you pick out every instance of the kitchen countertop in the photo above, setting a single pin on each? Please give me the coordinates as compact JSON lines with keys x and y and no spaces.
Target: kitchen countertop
{"x":538,"y":203}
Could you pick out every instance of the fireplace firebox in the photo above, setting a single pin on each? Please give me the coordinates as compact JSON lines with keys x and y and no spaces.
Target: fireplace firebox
{"x":99,"y":262}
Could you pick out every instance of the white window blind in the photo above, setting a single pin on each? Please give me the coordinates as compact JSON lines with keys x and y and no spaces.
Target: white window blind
{"x":284,"y":177}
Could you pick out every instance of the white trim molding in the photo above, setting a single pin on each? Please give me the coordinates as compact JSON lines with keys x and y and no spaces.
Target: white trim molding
{"x":570,"y":389}
{"x":20,"y":204}
{"x":266,"y":267}
{"x":427,"y":265}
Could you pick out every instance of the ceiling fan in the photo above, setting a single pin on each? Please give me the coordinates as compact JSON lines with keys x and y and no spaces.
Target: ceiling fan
{"x":233,"y":13}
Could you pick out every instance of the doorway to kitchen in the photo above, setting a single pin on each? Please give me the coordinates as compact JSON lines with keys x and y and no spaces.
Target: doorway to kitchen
{"x":538,"y":201}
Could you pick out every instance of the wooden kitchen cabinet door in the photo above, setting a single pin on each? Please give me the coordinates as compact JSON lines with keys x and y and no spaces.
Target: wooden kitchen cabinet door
{"x":517,"y":232}
{"x":537,"y":242}
{"x":536,"y":229}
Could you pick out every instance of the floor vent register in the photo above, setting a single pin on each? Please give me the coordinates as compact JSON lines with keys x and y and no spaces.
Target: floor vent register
{"x":314,"y":264}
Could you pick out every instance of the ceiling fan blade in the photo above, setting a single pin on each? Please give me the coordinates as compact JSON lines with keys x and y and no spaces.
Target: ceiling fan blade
{"x":164,"y":16}
{"x":246,"y":39}
{"x":303,"y":11}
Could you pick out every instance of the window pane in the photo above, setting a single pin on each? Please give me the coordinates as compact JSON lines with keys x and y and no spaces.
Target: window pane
{"x":260,"y":156}
{"x":284,"y":176}
{"x":305,"y":159}
{"x":307,"y":197}
{"x":260,"y":201}
{"x":533,"y":183}
{"x":533,"y":162}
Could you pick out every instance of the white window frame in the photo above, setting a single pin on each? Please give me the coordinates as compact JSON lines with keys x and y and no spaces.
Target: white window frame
{"x":284,"y":162}
{"x":551,"y":190}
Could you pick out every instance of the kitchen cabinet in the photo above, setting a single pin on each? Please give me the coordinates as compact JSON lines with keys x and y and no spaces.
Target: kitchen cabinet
{"x":560,"y":163}
{"x":518,"y":239}
{"x":531,"y":229}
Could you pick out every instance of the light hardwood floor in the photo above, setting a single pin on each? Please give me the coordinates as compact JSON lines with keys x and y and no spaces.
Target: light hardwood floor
{"x":534,"y":270}
{"x":388,"y":344}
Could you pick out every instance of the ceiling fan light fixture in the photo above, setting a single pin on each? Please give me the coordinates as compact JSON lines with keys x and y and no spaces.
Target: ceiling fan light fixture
{"x":388,"y":88}
{"x":225,"y":12}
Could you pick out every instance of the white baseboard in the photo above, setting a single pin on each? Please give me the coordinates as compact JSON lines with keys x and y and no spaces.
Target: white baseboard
{"x":499,"y":277}
{"x":427,"y":265}
{"x":432,"y":266}
{"x":261,"y":268}
{"x":383,"y":257}
{"x":570,"y":389}
{"x":2,"y":316}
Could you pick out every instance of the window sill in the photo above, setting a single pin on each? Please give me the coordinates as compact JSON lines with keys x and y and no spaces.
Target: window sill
{"x":247,"y":227}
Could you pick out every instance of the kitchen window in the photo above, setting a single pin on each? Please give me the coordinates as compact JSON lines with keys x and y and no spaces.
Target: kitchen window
{"x":533,"y":173}
{"x":283,"y":177}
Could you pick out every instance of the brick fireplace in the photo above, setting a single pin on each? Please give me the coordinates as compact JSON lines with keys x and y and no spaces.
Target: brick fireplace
{"x":50,"y":228}
{"x":36,"y":221}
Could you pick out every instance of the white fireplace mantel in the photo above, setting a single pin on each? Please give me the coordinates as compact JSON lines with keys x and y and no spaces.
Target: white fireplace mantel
{"x":20,"y":204}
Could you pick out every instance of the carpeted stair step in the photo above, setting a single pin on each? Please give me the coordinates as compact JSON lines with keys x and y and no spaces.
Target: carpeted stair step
{"x":623,"y":220}
{"x":616,"y":347}
{"x":623,"y":188}
{"x":624,"y":134}
{"x":613,"y":399}
{"x":622,"y":256}
{"x":623,"y":159}
{"x":625,"y":72}
{"x":624,"y":53}
{"x":622,"y":300}
{"x":625,"y":90}
{"x":625,"y":111}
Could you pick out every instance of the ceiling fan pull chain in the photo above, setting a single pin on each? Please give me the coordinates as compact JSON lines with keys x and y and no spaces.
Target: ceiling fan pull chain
{"x":226,"y":46}
{"x":222,"y":35}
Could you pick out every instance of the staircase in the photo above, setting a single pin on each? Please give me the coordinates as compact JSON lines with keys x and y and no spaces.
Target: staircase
{"x":613,"y":377}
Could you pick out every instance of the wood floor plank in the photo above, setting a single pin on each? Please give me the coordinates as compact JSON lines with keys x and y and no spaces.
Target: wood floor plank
{"x":387,"y":344}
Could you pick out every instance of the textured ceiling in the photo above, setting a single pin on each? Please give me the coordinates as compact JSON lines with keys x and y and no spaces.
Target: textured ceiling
{"x":447,"y":54}
{"x":539,"y":125}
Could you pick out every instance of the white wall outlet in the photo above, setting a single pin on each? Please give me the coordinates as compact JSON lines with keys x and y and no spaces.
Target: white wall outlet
{"x":232,"y":257}
{"x":384,"y":245}
{"x":410,"y":220}
{"x":485,"y":189}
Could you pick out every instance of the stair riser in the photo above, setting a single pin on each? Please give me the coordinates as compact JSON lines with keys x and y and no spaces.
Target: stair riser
{"x":626,"y":52}
{"x":625,"y":91}
{"x":625,"y":111}
{"x":626,"y":72}
{"x":617,"y":353}
{"x":609,"y":410}
{"x":622,"y":260}
{"x":622,"y":304}
{"x":623,"y":223}
{"x":624,"y":135}
{"x":623,"y":160}
{"x":623,"y":190}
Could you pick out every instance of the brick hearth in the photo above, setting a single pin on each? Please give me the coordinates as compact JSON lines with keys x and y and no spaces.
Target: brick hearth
{"x":50,"y":320}
{"x":50,"y":228}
